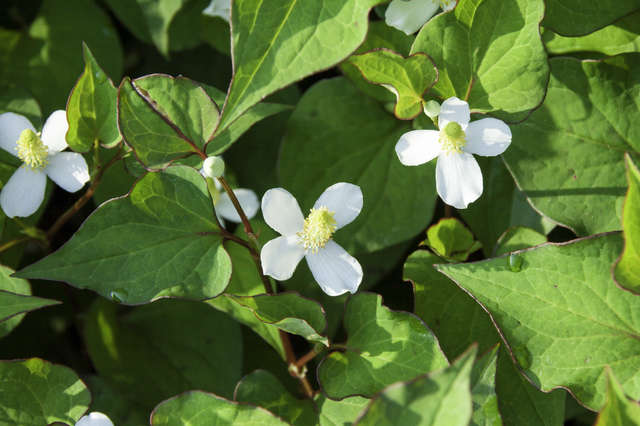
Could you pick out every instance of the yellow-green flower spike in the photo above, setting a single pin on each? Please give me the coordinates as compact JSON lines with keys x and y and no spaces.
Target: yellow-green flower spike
{"x":452,"y":138}
{"x":318,"y":228}
{"x":31,"y":150}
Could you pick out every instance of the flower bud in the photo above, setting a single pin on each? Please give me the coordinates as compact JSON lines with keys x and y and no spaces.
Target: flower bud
{"x":213,"y":167}
{"x":431,"y":109}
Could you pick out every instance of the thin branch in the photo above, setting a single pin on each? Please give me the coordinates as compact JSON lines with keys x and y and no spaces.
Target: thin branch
{"x":9,"y":244}
{"x":84,"y":199}
{"x":245,"y":221}
{"x":306,"y":358}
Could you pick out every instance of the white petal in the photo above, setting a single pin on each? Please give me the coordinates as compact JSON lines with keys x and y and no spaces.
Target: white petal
{"x":94,"y":419}
{"x":23,"y":193}
{"x":280,"y":256}
{"x":344,"y":199}
{"x":248,"y":201}
{"x":409,"y":16}
{"x":335,"y":270}
{"x":55,"y":130}
{"x":458,"y":179}
{"x":282,"y":212}
{"x":488,"y":137}
{"x":221,"y":8}
{"x":448,"y":5}
{"x":418,"y":147}
{"x":11,"y":125}
{"x":69,"y":170}
{"x":453,"y":109}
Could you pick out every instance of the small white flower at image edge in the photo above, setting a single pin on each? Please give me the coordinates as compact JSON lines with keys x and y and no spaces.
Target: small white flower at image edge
{"x":42,"y":156}
{"x":220,"y":8}
{"x":335,"y":270}
{"x":95,"y":418}
{"x":409,"y":16}
{"x":458,"y":175}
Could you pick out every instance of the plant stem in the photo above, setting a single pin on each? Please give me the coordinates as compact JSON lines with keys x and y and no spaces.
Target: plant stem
{"x":306,"y":358}
{"x":84,"y":199}
{"x":9,"y":244}
{"x":254,"y":249}
{"x":448,"y":210}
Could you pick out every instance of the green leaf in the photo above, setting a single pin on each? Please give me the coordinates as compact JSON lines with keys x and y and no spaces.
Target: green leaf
{"x":518,"y":238}
{"x":276,"y":46}
{"x":440,"y":399}
{"x":568,"y":156}
{"x":434,"y":295}
{"x":521,"y":403}
{"x":571,"y":282}
{"x":46,"y":58}
{"x":626,"y":271}
{"x":12,"y":304}
{"x":380,"y":35}
{"x":35,"y":392}
{"x":483,"y":390}
{"x":91,"y":109}
{"x":450,"y":239}
{"x":164,"y":348}
{"x":199,"y":409}
{"x":168,"y":24}
{"x":407,"y":78}
{"x":15,"y":294}
{"x":339,"y":413}
{"x":618,"y":410}
{"x":164,"y":118}
{"x":623,"y":36}
{"x":490,"y":53}
{"x":336,"y":134}
{"x":289,"y":312}
{"x":161,"y":240}
{"x":383,"y":347}
{"x":501,"y":206}
{"x":577,"y":17}
{"x":263,"y":389}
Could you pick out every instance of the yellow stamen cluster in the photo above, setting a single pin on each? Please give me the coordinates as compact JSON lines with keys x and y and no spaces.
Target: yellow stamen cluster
{"x":31,"y":150}
{"x":318,"y":228}
{"x":452,"y":138}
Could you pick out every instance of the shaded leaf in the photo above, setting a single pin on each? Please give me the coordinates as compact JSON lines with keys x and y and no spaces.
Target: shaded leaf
{"x":518,"y":238}
{"x":450,"y":239}
{"x":576,"y":17}
{"x":483,"y":390}
{"x":618,"y":410}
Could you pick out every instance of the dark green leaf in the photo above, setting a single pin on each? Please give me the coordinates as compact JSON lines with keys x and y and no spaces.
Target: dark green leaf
{"x":577,"y":17}
{"x":483,"y":391}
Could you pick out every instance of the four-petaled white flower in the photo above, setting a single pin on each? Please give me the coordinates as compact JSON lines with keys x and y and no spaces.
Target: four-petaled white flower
{"x":332,"y":267}
{"x":410,"y":15}
{"x":42,"y":157}
{"x":221,"y":8}
{"x":458,"y":176}
{"x":94,"y":419}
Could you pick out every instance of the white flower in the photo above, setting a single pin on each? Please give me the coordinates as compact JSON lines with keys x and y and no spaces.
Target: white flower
{"x":94,"y":419}
{"x":410,"y":15}
{"x":221,"y":8}
{"x":42,"y":157}
{"x":458,"y":176}
{"x":332,"y":267}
